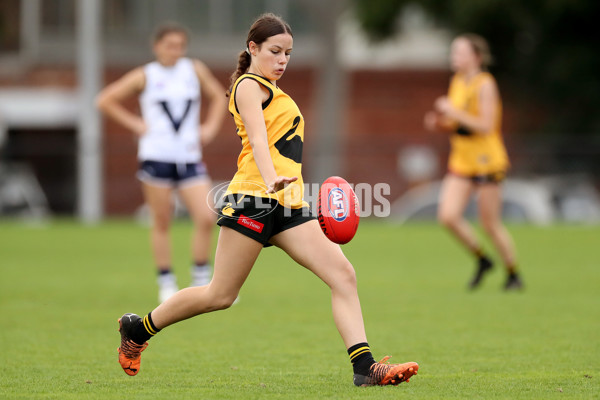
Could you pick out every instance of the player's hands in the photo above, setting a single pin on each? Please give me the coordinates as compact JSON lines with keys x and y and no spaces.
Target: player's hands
{"x":139,"y":127}
{"x":431,"y":121}
{"x":442,"y":105}
{"x":279,"y":183}
{"x":207,"y":134}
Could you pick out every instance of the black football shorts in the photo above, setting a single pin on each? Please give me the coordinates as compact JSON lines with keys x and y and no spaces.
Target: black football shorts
{"x":259,"y":218}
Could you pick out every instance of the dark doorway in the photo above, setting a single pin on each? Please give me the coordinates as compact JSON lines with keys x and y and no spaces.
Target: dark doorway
{"x":52,"y":155}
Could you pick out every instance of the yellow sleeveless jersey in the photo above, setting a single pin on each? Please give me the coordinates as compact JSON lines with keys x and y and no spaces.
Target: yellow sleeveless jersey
{"x":475,"y":153}
{"x":285,"y":135}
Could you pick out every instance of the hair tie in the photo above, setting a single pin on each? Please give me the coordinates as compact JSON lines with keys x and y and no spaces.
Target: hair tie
{"x":247,"y":51}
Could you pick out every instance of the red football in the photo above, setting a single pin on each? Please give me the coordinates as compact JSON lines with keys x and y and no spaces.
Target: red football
{"x":338,"y":210}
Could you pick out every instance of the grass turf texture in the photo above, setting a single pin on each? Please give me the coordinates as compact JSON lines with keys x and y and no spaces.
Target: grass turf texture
{"x":63,"y":286}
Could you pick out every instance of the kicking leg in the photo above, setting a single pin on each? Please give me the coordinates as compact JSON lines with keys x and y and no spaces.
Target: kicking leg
{"x":326,"y":260}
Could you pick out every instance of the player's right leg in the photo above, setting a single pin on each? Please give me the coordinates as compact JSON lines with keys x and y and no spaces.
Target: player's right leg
{"x":159,"y":199}
{"x":234,"y":259}
{"x":454,"y":198}
{"x":199,"y":205}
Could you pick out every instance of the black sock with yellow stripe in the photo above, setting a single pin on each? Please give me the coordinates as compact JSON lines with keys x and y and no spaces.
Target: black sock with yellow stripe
{"x":151,"y":329}
{"x":143,"y":330}
{"x":361,"y":358}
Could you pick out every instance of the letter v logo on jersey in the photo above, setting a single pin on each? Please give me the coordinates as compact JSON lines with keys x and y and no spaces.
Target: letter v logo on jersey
{"x":176,"y":123}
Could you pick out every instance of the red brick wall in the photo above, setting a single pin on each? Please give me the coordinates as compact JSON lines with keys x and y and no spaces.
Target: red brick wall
{"x":385,"y":112}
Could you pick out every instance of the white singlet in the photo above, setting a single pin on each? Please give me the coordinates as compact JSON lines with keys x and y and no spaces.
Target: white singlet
{"x":170,"y":104}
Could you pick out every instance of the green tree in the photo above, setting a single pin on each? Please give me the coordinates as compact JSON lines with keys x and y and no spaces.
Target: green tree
{"x":547,"y":50}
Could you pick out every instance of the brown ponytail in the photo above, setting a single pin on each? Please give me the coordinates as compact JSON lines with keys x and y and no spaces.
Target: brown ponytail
{"x":242,"y":67}
{"x":263,"y":28}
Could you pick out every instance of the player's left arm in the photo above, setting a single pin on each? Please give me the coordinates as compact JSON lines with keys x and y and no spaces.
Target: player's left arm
{"x":215,"y":92}
{"x":482,"y":123}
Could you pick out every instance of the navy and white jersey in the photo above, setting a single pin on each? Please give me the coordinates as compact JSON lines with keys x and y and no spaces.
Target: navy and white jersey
{"x":170,"y":105}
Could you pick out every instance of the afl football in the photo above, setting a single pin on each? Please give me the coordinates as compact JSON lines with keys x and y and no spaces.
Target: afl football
{"x":338,"y":210}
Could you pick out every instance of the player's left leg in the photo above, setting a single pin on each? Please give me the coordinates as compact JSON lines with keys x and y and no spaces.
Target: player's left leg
{"x":199,"y":206}
{"x":489,"y":203}
{"x":307,"y":245}
{"x":234,"y":258}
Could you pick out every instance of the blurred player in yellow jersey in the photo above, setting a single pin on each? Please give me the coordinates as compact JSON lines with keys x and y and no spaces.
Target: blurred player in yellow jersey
{"x":472,"y":114}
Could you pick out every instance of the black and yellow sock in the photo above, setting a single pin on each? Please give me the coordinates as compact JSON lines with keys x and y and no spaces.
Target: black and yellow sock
{"x":484,"y":263}
{"x":512,"y":274}
{"x":149,"y":326}
{"x":143,"y":330}
{"x":480,"y":254}
{"x":511,"y":269}
{"x":361,"y":358}
{"x":483,"y":260}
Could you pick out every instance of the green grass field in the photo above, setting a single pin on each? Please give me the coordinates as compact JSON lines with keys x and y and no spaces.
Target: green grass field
{"x":63,"y":286}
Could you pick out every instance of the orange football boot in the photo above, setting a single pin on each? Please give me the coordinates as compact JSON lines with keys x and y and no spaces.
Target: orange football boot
{"x":383,"y":373}
{"x":130,"y":355}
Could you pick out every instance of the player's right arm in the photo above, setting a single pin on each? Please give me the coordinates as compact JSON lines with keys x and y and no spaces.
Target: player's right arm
{"x":249,"y":97}
{"x":483,"y":123}
{"x":436,"y":121}
{"x":110,"y":99}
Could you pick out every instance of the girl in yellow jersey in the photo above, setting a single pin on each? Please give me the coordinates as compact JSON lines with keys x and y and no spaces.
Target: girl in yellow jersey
{"x":264,"y":206}
{"x":472,"y":113}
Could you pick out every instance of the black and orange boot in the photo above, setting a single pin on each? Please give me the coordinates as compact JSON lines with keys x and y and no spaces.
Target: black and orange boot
{"x":130,"y":352}
{"x":383,"y":373}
